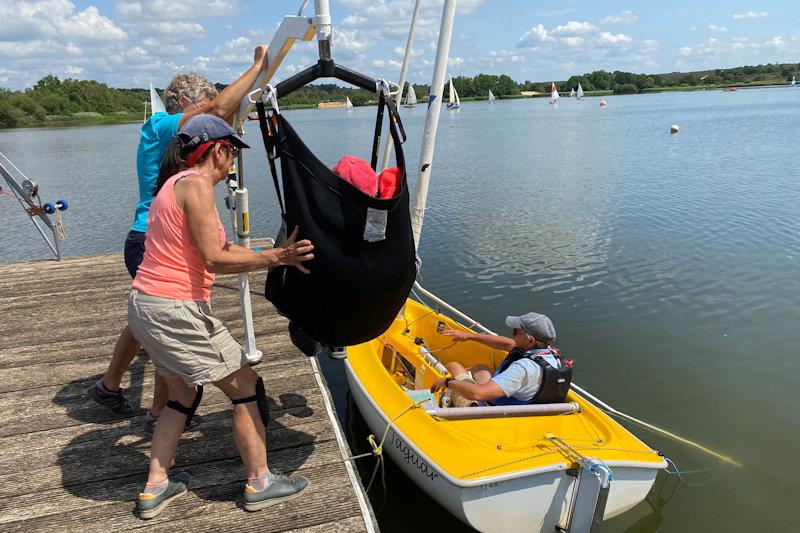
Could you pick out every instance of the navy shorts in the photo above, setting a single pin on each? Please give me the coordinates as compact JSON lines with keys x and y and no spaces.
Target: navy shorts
{"x":134,"y":251}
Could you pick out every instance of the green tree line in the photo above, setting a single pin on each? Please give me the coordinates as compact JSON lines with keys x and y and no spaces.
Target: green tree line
{"x":53,"y":99}
{"x":620,"y":82}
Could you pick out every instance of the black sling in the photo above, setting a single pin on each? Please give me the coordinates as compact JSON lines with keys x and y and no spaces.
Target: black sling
{"x":358,"y":281}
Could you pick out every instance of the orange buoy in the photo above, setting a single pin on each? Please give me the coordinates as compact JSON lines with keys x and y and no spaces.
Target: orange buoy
{"x":602,"y":103}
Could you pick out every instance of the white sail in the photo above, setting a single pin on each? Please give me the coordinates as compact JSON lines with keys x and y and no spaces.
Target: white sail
{"x":454,"y":101}
{"x":452,"y":91}
{"x":349,"y":104}
{"x":794,"y":82}
{"x":491,"y":96}
{"x":579,"y":95}
{"x":411,"y":96}
{"x":571,"y":91}
{"x":553,"y":93}
{"x":156,"y":104}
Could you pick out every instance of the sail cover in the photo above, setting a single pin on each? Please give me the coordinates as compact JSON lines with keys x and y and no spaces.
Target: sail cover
{"x":358,"y":280}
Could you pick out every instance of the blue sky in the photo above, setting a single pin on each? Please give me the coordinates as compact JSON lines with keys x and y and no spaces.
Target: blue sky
{"x":129,"y":43}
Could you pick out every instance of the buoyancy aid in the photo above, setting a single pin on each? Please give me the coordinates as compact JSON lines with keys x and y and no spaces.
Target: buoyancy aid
{"x":555,"y":381}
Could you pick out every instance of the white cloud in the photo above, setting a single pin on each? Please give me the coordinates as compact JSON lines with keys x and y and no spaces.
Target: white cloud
{"x":57,"y":19}
{"x":178,"y":10}
{"x":574,"y":27}
{"x":73,"y":71}
{"x":572,"y":41}
{"x":776,"y":42}
{"x":537,"y":34}
{"x":715,"y":28}
{"x":624,"y":17}
{"x":752,"y":15}
{"x":354,"y":20}
{"x":609,"y":38}
{"x":686,"y":51}
{"x":500,"y":57}
{"x":455,"y":61}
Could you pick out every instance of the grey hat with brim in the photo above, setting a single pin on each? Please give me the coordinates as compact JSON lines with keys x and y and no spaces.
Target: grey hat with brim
{"x":538,"y":326}
{"x":203,"y":128}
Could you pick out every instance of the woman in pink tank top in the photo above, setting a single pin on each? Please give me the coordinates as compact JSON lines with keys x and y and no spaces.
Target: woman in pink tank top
{"x":169,"y":313}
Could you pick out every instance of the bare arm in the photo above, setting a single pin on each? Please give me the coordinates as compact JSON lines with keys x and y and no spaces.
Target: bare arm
{"x":196,"y":197}
{"x":472,"y":391}
{"x":492,"y":341}
{"x":227,"y":102}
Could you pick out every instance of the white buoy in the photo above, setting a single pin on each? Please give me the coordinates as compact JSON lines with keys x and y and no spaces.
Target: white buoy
{"x":674,"y":128}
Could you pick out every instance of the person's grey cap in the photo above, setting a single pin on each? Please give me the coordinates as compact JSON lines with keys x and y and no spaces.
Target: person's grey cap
{"x":538,"y":326}
{"x":203,"y":128}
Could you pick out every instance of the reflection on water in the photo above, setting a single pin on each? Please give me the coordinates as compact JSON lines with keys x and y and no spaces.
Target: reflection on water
{"x":667,"y":262}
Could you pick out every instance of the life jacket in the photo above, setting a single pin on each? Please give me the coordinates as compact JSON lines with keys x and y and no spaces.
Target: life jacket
{"x":555,"y":381}
{"x":364,"y":256}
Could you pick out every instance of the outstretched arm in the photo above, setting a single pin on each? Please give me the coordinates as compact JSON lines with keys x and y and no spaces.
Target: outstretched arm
{"x":196,"y":198}
{"x":227,"y":102}
{"x":492,"y":341}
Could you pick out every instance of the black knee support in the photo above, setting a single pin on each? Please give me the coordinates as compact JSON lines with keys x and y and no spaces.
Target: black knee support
{"x":260,"y":397}
{"x":188,"y":411}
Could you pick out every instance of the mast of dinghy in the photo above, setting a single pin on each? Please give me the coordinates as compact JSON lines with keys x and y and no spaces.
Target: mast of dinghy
{"x":432,"y":120}
{"x":387,"y":151}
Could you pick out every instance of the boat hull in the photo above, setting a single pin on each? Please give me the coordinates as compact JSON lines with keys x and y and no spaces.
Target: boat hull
{"x":533,"y":500}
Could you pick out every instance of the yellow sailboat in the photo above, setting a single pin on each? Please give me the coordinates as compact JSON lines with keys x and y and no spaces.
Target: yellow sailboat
{"x":554,"y":467}
{"x":508,"y":471}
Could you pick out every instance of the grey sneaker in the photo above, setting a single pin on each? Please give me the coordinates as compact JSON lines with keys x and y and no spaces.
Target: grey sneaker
{"x":150,"y":423}
{"x":115,"y":402}
{"x":282,"y":489}
{"x":150,"y":505}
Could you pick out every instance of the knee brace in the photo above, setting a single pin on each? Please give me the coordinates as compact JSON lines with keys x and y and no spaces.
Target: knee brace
{"x":188,"y":411}
{"x":260,"y":397}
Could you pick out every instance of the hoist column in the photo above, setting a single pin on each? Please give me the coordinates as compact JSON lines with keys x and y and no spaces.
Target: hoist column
{"x":242,"y":228}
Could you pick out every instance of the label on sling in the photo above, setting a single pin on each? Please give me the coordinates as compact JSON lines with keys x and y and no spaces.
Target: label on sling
{"x":375,"y":228}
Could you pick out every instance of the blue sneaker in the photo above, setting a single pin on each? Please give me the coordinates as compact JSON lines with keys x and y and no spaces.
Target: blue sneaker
{"x":115,"y":402}
{"x":150,"y":505}
{"x":281,"y":489}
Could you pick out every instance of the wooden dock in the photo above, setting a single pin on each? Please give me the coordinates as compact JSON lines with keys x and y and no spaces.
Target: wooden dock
{"x":66,"y":464}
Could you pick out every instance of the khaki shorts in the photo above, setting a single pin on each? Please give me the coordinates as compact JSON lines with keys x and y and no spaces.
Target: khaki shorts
{"x":183,"y":339}
{"x":456,"y":400}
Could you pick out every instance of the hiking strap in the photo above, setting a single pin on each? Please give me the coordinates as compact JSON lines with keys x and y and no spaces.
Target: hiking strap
{"x":269,"y":132}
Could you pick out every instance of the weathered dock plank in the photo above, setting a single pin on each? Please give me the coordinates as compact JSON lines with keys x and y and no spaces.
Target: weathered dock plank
{"x":67,"y":464}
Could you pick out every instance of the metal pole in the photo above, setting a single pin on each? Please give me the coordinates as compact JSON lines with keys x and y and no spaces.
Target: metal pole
{"x":432,"y":119}
{"x":322,"y":20}
{"x":242,"y":227}
{"x":387,"y":151}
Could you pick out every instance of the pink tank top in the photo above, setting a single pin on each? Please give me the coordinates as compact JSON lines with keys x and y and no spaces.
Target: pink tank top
{"x":172,"y":266}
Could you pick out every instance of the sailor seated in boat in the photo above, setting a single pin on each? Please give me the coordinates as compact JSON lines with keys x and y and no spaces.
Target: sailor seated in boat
{"x":533,"y":371}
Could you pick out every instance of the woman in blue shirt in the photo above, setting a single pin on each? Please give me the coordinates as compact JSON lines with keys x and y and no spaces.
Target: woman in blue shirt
{"x":186,"y":96}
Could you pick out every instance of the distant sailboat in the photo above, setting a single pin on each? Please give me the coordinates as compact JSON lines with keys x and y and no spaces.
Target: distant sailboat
{"x":579,"y":95}
{"x":794,"y":82}
{"x":571,"y":91}
{"x":411,"y":96}
{"x":491,"y":96}
{"x":348,"y":104}
{"x":553,"y":94}
{"x":454,"y":103}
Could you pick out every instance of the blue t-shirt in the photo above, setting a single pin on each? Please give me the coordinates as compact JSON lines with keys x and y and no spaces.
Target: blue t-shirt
{"x":521,"y":380}
{"x":154,"y":138}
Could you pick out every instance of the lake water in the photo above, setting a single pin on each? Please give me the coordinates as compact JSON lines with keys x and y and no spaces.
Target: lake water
{"x":669,"y":264}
